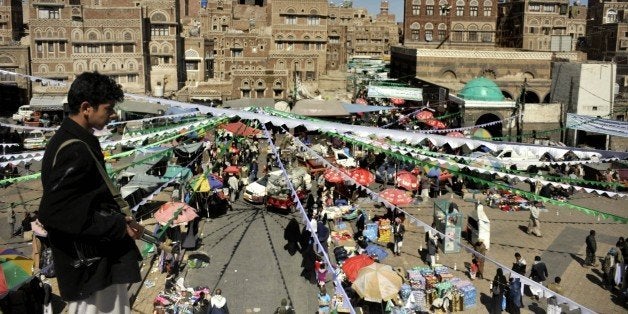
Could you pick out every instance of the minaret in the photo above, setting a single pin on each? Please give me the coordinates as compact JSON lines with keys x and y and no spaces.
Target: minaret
{"x":383,"y":7}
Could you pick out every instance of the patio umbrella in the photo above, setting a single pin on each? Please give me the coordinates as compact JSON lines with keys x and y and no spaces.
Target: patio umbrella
{"x":232,"y":169}
{"x":396,"y":196}
{"x":333,"y":176}
{"x":407,"y":181}
{"x":183,"y":212}
{"x":215,"y":182}
{"x":435,"y":123}
{"x":361,"y":101}
{"x":455,"y":134}
{"x":15,"y":270}
{"x":362,"y":176}
{"x":353,"y":264}
{"x":376,"y":250}
{"x":424,"y":115}
{"x":200,"y":184}
{"x":377,"y":282}
{"x":481,"y":134}
{"x":433,"y":172}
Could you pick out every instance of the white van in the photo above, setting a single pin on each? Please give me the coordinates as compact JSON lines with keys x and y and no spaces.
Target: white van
{"x":22,"y":113}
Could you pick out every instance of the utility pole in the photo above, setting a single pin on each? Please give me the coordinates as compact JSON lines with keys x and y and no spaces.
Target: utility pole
{"x":521,"y":111}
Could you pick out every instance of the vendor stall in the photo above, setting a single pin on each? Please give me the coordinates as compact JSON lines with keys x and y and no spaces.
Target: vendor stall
{"x":449,"y":223}
{"x":436,"y":287}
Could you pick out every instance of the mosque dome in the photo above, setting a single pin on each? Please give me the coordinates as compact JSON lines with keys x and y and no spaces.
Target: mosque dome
{"x":481,"y":89}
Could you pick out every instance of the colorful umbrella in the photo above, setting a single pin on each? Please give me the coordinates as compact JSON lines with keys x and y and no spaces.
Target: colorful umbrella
{"x":481,"y":134}
{"x":362,"y":176}
{"x":377,"y":282}
{"x":424,"y":115}
{"x":333,"y":176}
{"x":455,"y":134}
{"x":361,"y":101}
{"x":200,"y":184}
{"x":396,"y":196}
{"x":183,"y":212}
{"x":15,"y":270}
{"x":215,"y":182}
{"x":406,"y":180}
{"x":353,"y":264}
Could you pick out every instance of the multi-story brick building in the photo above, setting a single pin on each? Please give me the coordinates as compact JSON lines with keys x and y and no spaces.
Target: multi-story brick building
{"x":13,"y":57}
{"x":548,"y":25}
{"x":607,"y":36}
{"x":455,"y":24}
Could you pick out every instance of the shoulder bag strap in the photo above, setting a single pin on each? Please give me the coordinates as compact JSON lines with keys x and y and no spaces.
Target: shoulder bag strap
{"x":122,"y":204}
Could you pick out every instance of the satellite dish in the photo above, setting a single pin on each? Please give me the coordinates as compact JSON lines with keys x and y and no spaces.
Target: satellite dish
{"x":282,"y":106}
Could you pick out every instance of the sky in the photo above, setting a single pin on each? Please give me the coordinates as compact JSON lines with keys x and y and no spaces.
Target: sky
{"x":396,"y":7}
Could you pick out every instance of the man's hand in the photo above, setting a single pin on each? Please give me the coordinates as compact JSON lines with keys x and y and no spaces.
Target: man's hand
{"x":133,"y":228}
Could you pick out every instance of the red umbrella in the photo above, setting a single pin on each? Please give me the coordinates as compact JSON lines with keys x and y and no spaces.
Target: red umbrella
{"x":396,"y":196}
{"x":397,"y":101}
{"x":240,"y":129}
{"x":455,"y":134}
{"x":424,"y":115}
{"x":408,"y":181}
{"x":353,"y":264}
{"x":333,"y":176}
{"x":232,"y":169}
{"x":435,"y":123}
{"x":168,"y":210}
{"x":361,"y":101}
{"x":362,"y":176}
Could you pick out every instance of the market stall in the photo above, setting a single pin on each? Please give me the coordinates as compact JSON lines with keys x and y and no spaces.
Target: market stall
{"x":450,"y":223}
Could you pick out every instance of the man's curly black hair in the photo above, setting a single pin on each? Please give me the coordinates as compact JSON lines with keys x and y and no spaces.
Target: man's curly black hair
{"x":94,"y":88}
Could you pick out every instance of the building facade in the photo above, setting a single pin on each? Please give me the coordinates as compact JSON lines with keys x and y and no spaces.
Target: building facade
{"x":535,"y":25}
{"x":455,"y":24}
{"x":14,"y":57}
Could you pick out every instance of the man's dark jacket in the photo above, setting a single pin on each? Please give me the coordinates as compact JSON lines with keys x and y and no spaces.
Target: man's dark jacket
{"x":591,"y":243}
{"x":539,"y":272}
{"x":73,"y":210}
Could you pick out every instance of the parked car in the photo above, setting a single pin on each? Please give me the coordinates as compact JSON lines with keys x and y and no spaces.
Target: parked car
{"x":35,"y":140}
{"x":22,"y":113}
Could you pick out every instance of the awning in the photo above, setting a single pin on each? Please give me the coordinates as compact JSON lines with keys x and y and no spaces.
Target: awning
{"x":320,"y":108}
{"x":353,"y":108}
{"x":142,"y":107}
{"x":597,"y":125}
{"x":407,"y":93}
{"x":249,"y":102}
{"x":48,"y":102}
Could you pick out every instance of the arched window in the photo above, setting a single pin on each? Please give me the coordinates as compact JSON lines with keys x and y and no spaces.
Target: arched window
{"x":158,"y":17}
{"x":279,"y":42}
{"x":487,"y":33}
{"x":458,"y":30}
{"x":459,"y":7}
{"x":488,"y":8}
{"x":128,"y":36}
{"x":416,"y":7}
{"x":415,"y":31}
{"x":313,"y":19}
{"x":472,"y":33}
{"x":473,"y":8}
{"x":92,"y":36}
{"x":429,"y":7}
{"x":611,"y":16}
{"x":429,"y":29}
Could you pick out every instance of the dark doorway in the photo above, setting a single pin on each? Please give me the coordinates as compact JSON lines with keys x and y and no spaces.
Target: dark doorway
{"x":494,"y":129}
{"x":11,"y":98}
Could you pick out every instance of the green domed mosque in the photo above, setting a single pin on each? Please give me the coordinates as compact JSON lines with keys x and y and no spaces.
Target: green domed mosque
{"x":481,"y":89}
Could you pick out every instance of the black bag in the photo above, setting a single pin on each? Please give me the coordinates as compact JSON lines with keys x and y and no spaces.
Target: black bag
{"x":340,"y":253}
{"x":46,"y":263}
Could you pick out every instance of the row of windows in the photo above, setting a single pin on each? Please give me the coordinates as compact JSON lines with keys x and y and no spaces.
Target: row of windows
{"x":456,"y":36}
{"x":311,"y":20}
{"x":460,"y":11}
{"x":50,"y":47}
{"x":304,"y":46}
{"x":104,"y":48}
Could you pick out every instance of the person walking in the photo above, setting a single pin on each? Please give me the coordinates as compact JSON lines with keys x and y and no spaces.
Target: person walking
{"x":324,"y":301}
{"x":398,"y":230}
{"x":481,"y":249}
{"x":538,"y":274}
{"x":94,"y":252}
{"x":534,"y":225}
{"x":218,"y":303}
{"x":425,"y":188}
{"x":431,"y":238}
{"x":513,"y":300}
{"x":591,"y":248}
{"x":498,"y":289}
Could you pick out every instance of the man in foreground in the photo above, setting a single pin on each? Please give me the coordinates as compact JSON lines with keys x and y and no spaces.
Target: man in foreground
{"x":92,"y":242}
